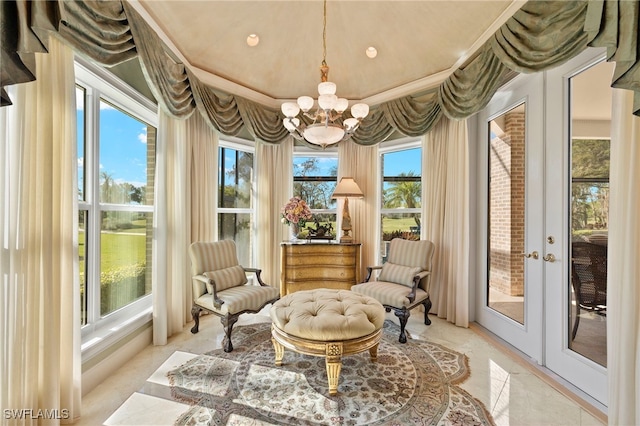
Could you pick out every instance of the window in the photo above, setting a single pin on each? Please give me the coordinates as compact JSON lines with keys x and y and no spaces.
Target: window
{"x":401,"y":194}
{"x":235,"y":198}
{"x":116,"y":165}
{"x":314,"y":180}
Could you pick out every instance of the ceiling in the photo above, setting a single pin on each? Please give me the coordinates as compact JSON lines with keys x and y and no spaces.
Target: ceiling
{"x":419,"y":43}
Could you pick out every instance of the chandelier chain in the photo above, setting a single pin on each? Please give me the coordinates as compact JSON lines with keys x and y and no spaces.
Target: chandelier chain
{"x":326,"y":127}
{"x":324,"y":35}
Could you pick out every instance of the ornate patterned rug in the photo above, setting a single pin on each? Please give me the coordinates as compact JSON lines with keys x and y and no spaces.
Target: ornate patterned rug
{"x":414,"y":383}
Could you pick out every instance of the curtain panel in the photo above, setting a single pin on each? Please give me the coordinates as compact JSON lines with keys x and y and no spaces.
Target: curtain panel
{"x":185,"y":204}
{"x":40,"y":367}
{"x":540,"y":35}
{"x":445,"y":213}
{"x":623,"y":282}
{"x":171,"y":271}
{"x":361,"y":163}
{"x":274,"y":187}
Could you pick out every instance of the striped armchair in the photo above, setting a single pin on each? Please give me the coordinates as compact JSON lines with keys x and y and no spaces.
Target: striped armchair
{"x":220,"y":286}
{"x":403,"y":281}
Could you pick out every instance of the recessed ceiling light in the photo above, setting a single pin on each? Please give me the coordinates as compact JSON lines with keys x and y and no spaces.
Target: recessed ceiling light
{"x":253,"y":40}
{"x":371,"y":52}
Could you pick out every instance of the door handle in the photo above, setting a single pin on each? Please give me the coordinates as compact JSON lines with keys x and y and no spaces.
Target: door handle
{"x":549,"y":258}
{"x":534,"y":254}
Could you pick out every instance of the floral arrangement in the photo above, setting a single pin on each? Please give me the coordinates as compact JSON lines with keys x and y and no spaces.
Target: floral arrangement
{"x":296,"y":212}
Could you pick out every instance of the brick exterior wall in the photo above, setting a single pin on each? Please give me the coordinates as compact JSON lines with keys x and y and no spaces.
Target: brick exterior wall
{"x":151,"y":173}
{"x":506,"y":208}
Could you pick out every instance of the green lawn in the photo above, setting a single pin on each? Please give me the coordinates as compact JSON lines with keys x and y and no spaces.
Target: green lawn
{"x":388,"y":225}
{"x":118,"y":248}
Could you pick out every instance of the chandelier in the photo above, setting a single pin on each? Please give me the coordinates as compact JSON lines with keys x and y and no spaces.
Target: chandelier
{"x":327,"y":127}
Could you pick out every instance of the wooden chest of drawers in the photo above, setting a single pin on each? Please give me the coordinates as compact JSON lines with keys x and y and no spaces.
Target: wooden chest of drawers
{"x":306,"y":266}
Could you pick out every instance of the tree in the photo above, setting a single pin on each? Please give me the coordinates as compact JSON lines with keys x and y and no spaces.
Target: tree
{"x":590,"y":189}
{"x":403,"y":194}
{"x":316,"y":193}
{"x":106,"y":187}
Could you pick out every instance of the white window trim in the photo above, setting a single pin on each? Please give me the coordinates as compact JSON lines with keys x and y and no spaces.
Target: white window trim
{"x":99,"y":84}
{"x":306,"y":152}
{"x":239,"y":144}
{"x":387,"y":148}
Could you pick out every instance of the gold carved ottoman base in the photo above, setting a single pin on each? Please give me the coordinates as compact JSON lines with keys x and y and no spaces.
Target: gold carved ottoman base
{"x":327,"y":323}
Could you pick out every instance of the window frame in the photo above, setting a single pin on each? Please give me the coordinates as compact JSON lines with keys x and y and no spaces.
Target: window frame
{"x":99,"y":84}
{"x":300,"y":151}
{"x":397,"y":145}
{"x":237,"y":144}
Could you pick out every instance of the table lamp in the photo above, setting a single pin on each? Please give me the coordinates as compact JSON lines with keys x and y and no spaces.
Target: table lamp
{"x":347,"y":187}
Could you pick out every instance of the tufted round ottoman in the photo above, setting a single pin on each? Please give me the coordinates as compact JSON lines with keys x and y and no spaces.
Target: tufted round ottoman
{"x":328,"y":323}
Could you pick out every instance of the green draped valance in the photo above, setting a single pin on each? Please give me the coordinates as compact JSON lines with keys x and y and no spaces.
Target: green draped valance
{"x":541,"y":35}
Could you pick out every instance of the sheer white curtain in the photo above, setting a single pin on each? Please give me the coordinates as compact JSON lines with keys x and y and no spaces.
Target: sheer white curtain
{"x":361,"y":163}
{"x":274,"y":176}
{"x":204,"y":180}
{"x":623,"y":282}
{"x":185,"y":200}
{"x":445,"y":217}
{"x":40,"y":360}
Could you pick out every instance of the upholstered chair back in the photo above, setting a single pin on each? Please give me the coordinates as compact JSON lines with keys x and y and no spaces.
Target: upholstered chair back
{"x":212,"y":256}
{"x":411,"y":253}
{"x":411,"y":257}
{"x":218,"y":261}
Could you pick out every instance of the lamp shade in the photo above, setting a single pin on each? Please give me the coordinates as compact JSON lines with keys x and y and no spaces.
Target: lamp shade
{"x":347,"y":187}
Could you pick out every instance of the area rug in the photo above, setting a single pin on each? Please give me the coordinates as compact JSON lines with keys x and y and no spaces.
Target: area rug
{"x":411,"y":384}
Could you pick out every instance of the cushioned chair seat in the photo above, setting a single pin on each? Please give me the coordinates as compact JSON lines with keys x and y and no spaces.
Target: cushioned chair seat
{"x":389,"y":293}
{"x":239,"y":299}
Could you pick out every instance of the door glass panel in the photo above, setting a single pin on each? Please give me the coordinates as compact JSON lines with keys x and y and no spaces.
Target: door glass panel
{"x":590,"y":143}
{"x":506,"y":237}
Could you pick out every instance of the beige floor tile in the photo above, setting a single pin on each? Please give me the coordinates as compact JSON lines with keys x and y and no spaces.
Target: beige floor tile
{"x":503,"y":384}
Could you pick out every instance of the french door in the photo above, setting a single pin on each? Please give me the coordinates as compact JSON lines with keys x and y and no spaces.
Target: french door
{"x":542,"y":201}
{"x":578,"y":117}
{"x":510,"y":187}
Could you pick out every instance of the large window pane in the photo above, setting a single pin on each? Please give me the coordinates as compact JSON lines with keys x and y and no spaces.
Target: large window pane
{"x":235,"y":201}
{"x":124,"y":170}
{"x":506,"y":236}
{"x":124,"y":268}
{"x":590,"y":153}
{"x":235,"y":175}
{"x":314,"y":180}
{"x":237,"y":227}
{"x":401,"y":196}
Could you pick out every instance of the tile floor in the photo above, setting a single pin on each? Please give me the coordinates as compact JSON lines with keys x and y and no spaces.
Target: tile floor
{"x":513,"y":393}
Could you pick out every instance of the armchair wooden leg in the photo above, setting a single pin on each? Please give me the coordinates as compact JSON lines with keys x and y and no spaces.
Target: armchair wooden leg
{"x":403,"y":315}
{"x":427,"y":307}
{"x":195,"y":313}
{"x":227,"y":323}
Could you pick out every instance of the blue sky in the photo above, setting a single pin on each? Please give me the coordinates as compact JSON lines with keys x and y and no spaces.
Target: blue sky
{"x":123,"y":145}
{"x":123,"y":150}
{"x":395,"y":163}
